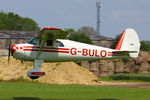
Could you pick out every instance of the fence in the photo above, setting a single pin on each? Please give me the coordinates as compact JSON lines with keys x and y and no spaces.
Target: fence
{"x":4,"y":44}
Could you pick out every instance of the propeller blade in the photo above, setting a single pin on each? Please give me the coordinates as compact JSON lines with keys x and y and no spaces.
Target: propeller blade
{"x":9,"y":50}
{"x":21,"y":61}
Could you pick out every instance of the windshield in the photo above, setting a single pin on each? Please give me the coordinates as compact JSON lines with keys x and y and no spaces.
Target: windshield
{"x":33,"y":41}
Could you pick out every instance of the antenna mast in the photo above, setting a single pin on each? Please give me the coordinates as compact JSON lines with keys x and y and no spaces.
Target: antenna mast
{"x":98,"y":5}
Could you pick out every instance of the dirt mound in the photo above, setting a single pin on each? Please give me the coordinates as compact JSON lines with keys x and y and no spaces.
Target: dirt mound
{"x":56,"y":73}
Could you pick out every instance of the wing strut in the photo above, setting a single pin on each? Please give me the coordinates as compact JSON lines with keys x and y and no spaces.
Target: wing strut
{"x":41,"y":48}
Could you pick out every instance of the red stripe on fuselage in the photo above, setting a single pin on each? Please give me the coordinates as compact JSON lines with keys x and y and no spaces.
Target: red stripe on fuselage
{"x":28,"y":47}
{"x":110,"y":53}
{"x":46,"y":50}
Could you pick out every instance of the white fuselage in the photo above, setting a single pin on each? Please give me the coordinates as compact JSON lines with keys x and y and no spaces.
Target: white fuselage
{"x":64,"y":50}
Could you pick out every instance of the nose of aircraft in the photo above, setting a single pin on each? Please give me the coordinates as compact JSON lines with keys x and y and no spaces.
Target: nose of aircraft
{"x":12,"y":49}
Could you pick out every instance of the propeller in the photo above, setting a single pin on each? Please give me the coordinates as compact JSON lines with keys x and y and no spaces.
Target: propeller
{"x":9,"y":50}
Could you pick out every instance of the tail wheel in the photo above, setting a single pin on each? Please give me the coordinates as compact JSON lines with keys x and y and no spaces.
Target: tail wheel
{"x":136,"y":61}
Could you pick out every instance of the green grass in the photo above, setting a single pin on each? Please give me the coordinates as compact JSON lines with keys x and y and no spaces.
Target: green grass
{"x":34,"y":91}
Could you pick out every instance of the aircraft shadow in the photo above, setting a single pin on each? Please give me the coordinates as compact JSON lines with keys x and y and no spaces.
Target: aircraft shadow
{"x":107,"y":99}
{"x":26,"y":98}
{"x":34,"y":98}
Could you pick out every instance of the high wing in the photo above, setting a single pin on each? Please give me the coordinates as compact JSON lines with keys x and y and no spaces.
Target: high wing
{"x":49,"y":35}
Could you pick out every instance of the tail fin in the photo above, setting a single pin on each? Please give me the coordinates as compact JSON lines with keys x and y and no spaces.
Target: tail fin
{"x":129,"y":41}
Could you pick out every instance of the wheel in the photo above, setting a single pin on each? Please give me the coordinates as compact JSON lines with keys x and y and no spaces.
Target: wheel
{"x":34,"y":77}
{"x":136,"y":63}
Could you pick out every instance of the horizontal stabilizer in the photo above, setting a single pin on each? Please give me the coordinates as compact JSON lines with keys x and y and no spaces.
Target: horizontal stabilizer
{"x":122,"y":53}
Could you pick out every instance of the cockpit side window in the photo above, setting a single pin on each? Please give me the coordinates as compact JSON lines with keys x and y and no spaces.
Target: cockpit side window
{"x":49,"y":42}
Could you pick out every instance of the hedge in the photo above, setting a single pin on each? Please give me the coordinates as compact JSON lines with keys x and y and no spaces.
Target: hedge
{"x":140,"y":77}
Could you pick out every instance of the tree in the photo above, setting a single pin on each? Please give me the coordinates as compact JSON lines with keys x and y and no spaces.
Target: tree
{"x":11,"y":21}
{"x":116,"y":41}
{"x":69,"y":30}
{"x":86,"y":30}
{"x":80,"y":38}
{"x":28,"y":24}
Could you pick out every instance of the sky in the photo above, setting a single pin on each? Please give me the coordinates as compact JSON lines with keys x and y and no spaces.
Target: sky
{"x":117,"y":15}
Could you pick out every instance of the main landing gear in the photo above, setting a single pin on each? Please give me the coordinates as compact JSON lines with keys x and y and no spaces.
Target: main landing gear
{"x":36,"y":72}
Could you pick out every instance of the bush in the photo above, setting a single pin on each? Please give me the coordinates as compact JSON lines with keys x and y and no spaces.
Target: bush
{"x":139,"y":77}
{"x":116,"y":41}
{"x":145,"y":45}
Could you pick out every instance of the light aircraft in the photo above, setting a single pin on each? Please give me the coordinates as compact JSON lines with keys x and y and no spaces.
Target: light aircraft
{"x":51,"y":45}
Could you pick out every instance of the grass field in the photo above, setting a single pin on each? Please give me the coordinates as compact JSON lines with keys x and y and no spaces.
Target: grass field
{"x":34,"y":91}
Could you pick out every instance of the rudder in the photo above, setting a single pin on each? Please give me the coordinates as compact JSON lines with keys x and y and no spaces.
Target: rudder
{"x":129,"y":41}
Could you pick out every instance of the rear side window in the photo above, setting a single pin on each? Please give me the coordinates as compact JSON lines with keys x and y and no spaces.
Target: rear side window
{"x":59,"y":44}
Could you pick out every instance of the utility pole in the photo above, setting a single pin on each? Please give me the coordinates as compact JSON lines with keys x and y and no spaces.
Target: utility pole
{"x":98,"y":5}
